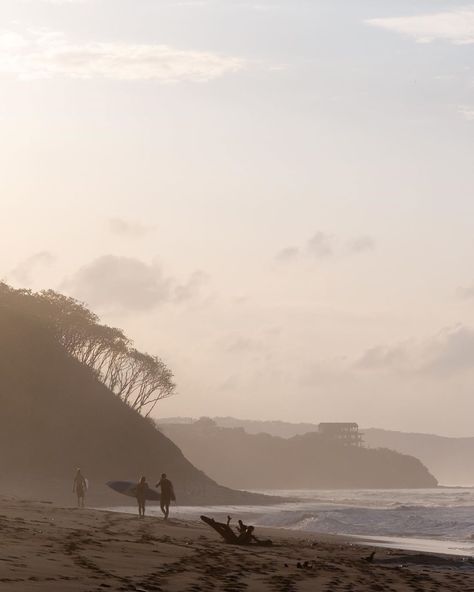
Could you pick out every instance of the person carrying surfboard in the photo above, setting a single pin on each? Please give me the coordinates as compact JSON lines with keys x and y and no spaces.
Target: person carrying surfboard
{"x":167,"y":494}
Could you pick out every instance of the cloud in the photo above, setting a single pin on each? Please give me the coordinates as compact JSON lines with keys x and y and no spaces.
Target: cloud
{"x":191,"y":288}
{"x":324,"y":246}
{"x":446,"y":354}
{"x":467,"y":111}
{"x":48,"y":54}
{"x":455,"y":26}
{"x":242,"y":345}
{"x":128,"y":228}
{"x":57,"y":1}
{"x":128,"y":284}
{"x":320,"y":245}
{"x":466,"y":292}
{"x":64,"y":1}
{"x":287,"y":254}
{"x":451,"y":352}
{"x":25,"y":270}
{"x":383,"y":358}
{"x":360,"y":244}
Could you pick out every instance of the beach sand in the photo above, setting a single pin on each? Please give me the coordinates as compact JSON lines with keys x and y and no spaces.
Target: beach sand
{"x":50,"y":548}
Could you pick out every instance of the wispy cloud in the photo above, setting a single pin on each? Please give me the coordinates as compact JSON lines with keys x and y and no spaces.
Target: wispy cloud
{"x":64,"y":1}
{"x":466,"y":292}
{"x":448,"y":353}
{"x":129,"y":228}
{"x":239,"y":344}
{"x":25,"y":270}
{"x":359,"y":244}
{"x":467,"y":111}
{"x":455,"y":26}
{"x":126,"y":284}
{"x":191,"y":288}
{"x":59,"y":2}
{"x":48,"y":54}
{"x":326,"y":246}
{"x":321,"y":245}
{"x":287,"y":254}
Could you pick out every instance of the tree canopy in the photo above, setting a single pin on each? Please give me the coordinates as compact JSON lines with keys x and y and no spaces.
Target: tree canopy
{"x":139,"y":379}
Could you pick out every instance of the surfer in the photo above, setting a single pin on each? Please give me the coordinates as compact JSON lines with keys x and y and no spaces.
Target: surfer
{"x":79,"y":486}
{"x":142,"y":489}
{"x":167,"y":494}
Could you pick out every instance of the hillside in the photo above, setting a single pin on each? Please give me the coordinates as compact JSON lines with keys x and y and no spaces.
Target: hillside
{"x":282,"y":429}
{"x":450,"y":459}
{"x":56,"y":415}
{"x":262,"y":461}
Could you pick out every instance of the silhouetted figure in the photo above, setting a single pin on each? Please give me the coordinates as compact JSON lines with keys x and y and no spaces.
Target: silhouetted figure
{"x":141,"y":492}
{"x":167,"y":494}
{"x":80,"y":487}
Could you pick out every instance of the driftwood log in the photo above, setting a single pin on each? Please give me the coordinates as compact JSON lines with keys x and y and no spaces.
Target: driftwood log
{"x":245,"y":535}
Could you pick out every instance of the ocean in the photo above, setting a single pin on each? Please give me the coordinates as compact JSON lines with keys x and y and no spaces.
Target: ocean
{"x":438,"y":520}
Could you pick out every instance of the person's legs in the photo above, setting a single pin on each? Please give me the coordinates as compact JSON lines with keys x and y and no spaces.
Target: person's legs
{"x":165,"y":508}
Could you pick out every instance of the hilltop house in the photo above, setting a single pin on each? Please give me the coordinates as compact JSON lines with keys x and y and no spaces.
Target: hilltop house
{"x":347,"y":433}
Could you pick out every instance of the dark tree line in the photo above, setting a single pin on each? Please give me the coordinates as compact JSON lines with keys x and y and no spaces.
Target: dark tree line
{"x":140,"y":380}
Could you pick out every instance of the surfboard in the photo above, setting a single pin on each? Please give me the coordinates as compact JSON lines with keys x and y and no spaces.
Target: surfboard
{"x":129,"y":488}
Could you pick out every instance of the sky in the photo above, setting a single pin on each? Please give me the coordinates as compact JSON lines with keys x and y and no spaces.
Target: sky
{"x":274,"y":196}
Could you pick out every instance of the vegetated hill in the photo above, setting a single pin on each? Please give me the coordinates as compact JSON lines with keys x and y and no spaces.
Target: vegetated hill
{"x":261,"y":461}
{"x":55,"y":416}
{"x":450,"y":459}
{"x":282,"y":429}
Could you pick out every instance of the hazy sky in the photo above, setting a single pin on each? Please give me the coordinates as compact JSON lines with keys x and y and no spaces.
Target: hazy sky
{"x":274,"y":196}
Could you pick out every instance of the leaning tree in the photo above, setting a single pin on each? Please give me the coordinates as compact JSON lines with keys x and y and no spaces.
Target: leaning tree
{"x":140,"y":380}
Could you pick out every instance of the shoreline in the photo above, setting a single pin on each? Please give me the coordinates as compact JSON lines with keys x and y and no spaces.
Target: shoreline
{"x":415,"y":543}
{"x":45,"y":547}
{"x":442,"y":547}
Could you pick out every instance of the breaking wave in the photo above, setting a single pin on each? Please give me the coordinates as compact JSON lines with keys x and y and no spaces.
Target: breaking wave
{"x":435,"y":514}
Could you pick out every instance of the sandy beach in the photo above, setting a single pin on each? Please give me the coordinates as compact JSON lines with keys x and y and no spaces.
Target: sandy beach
{"x":51,"y":548}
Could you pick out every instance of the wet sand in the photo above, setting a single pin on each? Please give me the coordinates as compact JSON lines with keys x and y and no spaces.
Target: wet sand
{"x":49,"y":548}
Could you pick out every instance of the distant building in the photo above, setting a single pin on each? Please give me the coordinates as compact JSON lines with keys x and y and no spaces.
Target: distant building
{"x":347,"y":433}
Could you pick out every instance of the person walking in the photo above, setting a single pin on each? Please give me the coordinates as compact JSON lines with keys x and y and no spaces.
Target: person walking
{"x":79,"y":486}
{"x":167,"y":494}
{"x":142,"y":489}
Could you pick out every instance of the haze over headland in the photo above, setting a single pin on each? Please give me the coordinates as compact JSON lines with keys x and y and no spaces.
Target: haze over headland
{"x":274,"y":196}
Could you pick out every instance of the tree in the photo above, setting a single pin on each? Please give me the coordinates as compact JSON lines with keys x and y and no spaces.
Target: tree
{"x":140,"y":380}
